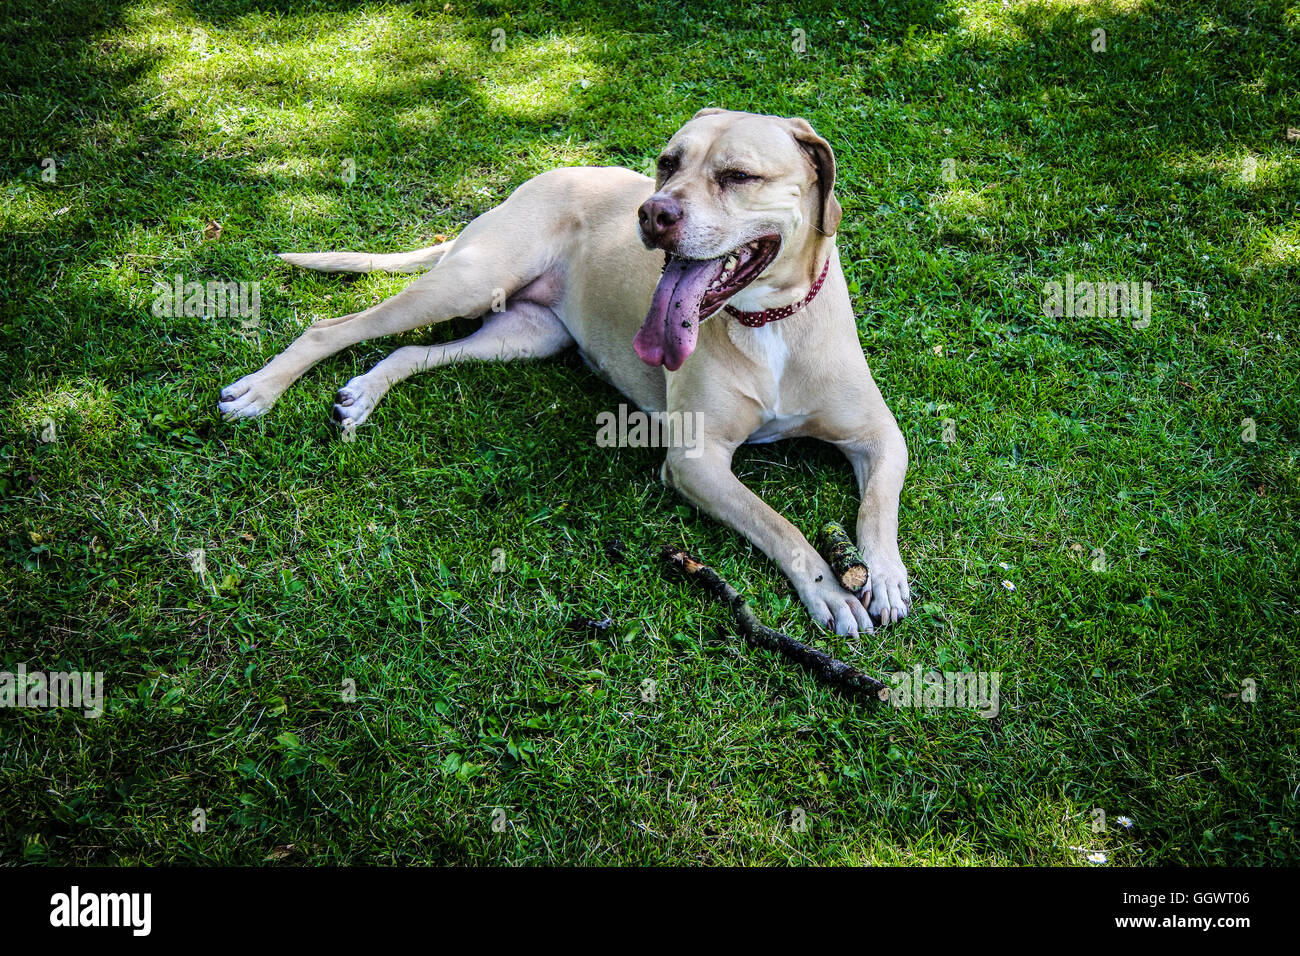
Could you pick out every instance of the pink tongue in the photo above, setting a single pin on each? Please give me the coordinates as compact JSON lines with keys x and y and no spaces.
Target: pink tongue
{"x":672,"y":325}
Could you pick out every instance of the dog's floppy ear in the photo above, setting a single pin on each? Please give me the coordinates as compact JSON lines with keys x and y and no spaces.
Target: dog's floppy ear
{"x":708,"y":111}
{"x":819,"y":151}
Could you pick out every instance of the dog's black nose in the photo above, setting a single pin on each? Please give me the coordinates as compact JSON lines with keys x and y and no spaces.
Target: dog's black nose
{"x":659,"y":216}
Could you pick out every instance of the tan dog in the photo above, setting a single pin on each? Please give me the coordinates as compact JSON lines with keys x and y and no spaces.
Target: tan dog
{"x":745,"y":210}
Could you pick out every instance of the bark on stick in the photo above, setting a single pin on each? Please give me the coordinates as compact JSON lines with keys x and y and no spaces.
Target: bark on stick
{"x":837,"y":548}
{"x":756,"y":633}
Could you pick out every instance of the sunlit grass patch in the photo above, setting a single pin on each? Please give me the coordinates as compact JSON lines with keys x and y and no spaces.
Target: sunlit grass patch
{"x":73,"y":411}
{"x":26,"y":207}
{"x":1279,"y":248}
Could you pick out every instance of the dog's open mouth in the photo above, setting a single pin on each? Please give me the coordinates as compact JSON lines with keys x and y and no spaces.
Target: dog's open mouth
{"x":691,"y":290}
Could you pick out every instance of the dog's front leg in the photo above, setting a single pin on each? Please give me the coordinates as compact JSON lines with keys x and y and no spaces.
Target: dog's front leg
{"x":707,"y":481}
{"x":880,"y":461}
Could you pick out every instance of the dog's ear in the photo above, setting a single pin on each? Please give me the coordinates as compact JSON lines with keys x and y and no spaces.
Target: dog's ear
{"x":823,"y":160}
{"x":708,"y":111}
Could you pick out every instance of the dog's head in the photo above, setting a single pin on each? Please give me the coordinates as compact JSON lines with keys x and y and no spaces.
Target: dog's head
{"x":736,"y":192}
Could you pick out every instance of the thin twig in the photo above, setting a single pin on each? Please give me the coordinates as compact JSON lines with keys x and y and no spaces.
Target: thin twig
{"x":756,"y":633}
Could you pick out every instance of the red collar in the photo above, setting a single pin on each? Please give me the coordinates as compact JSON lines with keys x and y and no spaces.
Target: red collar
{"x":756,"y":320}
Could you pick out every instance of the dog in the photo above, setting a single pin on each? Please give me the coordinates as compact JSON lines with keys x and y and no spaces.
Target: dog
{"x":740,"y":220}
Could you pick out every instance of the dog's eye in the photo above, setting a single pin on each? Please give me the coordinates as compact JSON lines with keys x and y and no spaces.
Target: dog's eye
{"x":667,"y":165}
{"x":729,"y":176}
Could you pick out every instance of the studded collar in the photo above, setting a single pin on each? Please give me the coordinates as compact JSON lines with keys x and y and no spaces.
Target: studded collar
{"x":756,"y":320}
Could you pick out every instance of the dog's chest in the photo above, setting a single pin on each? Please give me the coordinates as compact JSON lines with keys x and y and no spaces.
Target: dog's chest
{"x":768,"y":349}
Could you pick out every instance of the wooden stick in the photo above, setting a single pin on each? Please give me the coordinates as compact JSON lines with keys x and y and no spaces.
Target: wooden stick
{"x":837,"y":548}
{"x":826,"y":668}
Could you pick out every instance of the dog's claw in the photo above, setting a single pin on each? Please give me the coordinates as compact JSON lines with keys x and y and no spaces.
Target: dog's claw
{"x":354,"y":402}
{"x":343,"y":417}
{"x":234,"y":391}
{"x":891,"y":600}
{"x":242,"y":404}
{"x":247,"y":398}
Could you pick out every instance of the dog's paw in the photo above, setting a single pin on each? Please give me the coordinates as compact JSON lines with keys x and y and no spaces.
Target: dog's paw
{"x":250,"y":397}
{"x":353,"y":403}
{"x":888,"y":596}
{"x":835,"y":609}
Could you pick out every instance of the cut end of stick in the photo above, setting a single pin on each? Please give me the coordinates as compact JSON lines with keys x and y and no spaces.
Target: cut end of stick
{"x":682,"y":560}
{"x":855,"y":578}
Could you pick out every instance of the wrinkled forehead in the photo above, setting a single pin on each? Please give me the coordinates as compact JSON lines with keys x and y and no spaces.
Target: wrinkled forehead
{"x":723,"y":140}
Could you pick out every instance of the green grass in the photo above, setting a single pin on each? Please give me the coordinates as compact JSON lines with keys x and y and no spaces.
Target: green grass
{"x":1163,"y":159}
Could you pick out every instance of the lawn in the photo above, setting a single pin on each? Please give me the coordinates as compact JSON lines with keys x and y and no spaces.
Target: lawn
{"x":1101,"y":510}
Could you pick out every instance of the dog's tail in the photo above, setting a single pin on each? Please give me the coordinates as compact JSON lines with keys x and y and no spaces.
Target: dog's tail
{"x":418,"y":261}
